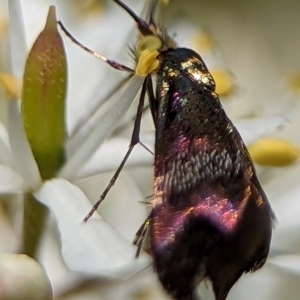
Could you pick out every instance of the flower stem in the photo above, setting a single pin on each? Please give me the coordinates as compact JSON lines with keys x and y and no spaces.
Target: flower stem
{"x":34,"y":219}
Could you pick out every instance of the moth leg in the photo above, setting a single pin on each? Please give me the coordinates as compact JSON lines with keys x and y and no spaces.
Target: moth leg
{"x":112,"y":63}
{"x":140,"y":235}
{"x":146,"y":107}
{"x":153,"y":103}
{"x":146,"y":148}
{"x":121,"y":127}
{"x":135,"y":138}
{"x":145,"y":200}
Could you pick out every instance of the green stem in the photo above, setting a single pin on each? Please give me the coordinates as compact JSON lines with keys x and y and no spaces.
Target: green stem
{"x":34,"y":218}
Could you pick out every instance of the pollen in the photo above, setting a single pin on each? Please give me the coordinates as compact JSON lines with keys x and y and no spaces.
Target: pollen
{"x":224,"y":82}
{"x":91,"y":7}
{"x":274,"y":152}
{"x":10,"y":85}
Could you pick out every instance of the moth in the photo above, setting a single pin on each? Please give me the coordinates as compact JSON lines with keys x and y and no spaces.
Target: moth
{"x":210,"y":218}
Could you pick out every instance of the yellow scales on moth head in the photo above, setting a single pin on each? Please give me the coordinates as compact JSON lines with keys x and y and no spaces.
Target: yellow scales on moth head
{"x":150,"y":44}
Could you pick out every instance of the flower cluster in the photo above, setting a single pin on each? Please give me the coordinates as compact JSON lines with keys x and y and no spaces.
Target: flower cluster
{"x":59,"y":144}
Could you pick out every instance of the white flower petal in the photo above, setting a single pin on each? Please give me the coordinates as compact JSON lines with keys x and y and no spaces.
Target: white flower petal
{"x":91,"y":137}
{"x":275,"y":280}
{"x":143,"y":286}
{"x":285,"y":235}
{"x":10,"y":181}
{"x":92,"y":248}
{"x":23,"y":278}
{"x":289,"y":262}
{"x":50,"y":257}
{"x":253,"y":129}
{"x":3,"y":135}
{"x":284,"y":194}
{"x":5,"y":152}
{"x":269,"y":283}
{"x":122,"y":208}
{"x":109,"y":157}
{"x":20,"y":147}
{"x":18,"y":46}
{"x":93,"y":113}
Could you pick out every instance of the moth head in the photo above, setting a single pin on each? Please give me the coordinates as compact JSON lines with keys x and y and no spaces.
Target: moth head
{"x":151,"y":42}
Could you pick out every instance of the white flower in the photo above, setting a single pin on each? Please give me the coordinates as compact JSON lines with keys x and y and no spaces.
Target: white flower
{"x":19,"y":173}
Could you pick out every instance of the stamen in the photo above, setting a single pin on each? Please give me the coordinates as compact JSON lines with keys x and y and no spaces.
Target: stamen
{"x":11,"y":86}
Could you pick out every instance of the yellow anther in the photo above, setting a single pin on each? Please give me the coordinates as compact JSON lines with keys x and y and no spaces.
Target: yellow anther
{"x":147,"y":63}
{"x":294,"y":82}
{"x":202,"y":42}
{"x":273,"y":152}
{"x":224,"y":82}
{"x":10,"y":85}
{"x":3,"y":25}
{"x":89,"y":7}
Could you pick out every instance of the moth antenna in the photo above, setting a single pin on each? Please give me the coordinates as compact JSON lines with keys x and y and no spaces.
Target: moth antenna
{"x":110,"y":62}
{"x":143,"y":26}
